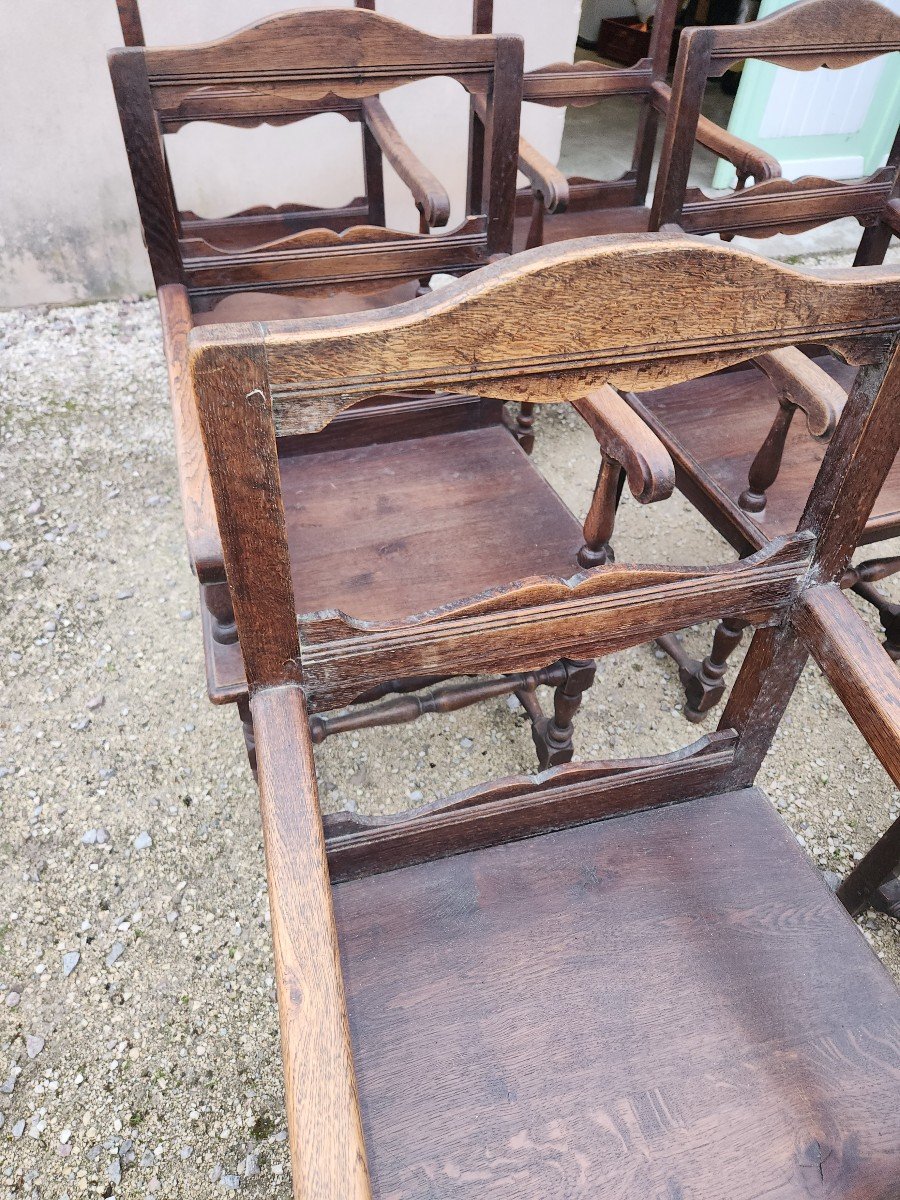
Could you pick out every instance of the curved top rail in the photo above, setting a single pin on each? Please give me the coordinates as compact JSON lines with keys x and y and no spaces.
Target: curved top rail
{"x":555,"y":322}
{"x":809,"y":34}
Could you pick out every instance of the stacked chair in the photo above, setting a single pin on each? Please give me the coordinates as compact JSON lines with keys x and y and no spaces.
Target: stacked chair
{"x":616,"y":979}
{"x":433,"y":535}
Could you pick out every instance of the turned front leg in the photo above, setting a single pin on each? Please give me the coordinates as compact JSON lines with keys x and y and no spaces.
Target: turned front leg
{"x":601,"y":518}
{"x":553,"y":735}
{"x":767,"y":463}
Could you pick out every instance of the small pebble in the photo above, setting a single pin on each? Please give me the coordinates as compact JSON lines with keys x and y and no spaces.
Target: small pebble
{"x":70,"y":961}
{"x":126,"y":594}
{"x":96,"y":702}
{"x":466,"y":743}
{"x":34,"y":1044}
{"x":216,"y":1173}
{"x":231,"y":1182}
{"x":143,"y":841}
{"x":116,"y":951}
{"x":251,"y":1165}
{"x":114,"y":1172}
{"x":18,"y":1129}
{"x":89,"y":838}
{"x":148,"y":1159}
{"x":185,"y":614}
{"x":34,"y":508}
{"x":102,"y":836}
{"x":65,"y":1136}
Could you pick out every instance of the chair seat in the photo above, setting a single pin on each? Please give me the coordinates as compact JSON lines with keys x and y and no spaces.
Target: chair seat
{"x":280,"y":306}
{"x":591,"y":222}
{"x":388,"y":530}
{"x":643,"y":1008}
{"x":713,"y":428}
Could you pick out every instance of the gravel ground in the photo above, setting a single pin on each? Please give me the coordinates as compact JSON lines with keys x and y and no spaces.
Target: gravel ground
{"x":138,"y":1031}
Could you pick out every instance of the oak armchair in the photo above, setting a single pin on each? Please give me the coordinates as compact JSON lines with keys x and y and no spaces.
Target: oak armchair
{"x":621,"y":977}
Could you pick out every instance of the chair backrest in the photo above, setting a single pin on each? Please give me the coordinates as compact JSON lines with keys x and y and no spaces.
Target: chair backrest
{"x":262,"y":222}
{"x":614,"y":321}
{"x":806,"y":35}
{"x":563,"y":84}
{"x":285,"y":69}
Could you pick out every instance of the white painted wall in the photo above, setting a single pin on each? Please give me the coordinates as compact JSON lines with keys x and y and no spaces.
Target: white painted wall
{"x":69,"y":229}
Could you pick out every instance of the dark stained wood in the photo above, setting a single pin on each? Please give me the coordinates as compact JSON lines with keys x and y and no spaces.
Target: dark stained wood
{"x":582,"y":617}
{"x":130,"y":21}
{"x":290,"y":67}
{"x":646,"y":1003}
{"x":204,"y":543}
{"x":233,"y":384}
{"x":697,"y":423}
{"x":522,"y":806}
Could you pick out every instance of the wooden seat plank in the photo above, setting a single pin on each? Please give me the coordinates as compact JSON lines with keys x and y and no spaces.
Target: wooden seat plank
{"x":641,"y":1007}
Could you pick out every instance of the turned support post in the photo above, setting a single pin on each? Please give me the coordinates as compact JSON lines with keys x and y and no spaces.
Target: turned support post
{"x":601,"y":518}
{"x":767,"y":463}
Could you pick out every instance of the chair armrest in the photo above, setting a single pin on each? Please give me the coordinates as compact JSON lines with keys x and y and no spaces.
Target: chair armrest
{"x":328,"y":1156}
{"x":624,"y":438}
{"x":428,"y":192}
{"x":200,"y":525}
{"x":546,"y":180}
{"x":746,"y":158}
{"x":803,"y":383}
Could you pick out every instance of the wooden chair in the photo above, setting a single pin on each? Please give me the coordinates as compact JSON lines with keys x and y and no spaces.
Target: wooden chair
{"x":555,"y":207}
{"x":472,"y":455}
{"x":805,"y":35}
{"x":262,"y":223}
{"x":615,"y":979}
{"x":750,"y":475}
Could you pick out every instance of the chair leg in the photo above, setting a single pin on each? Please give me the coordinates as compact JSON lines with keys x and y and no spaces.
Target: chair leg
{"x":249,"y":737}
{"x":524,"y":430}
{"x":553,"y":735}
{"x":887,"y":897}
{"x":704,"y":682}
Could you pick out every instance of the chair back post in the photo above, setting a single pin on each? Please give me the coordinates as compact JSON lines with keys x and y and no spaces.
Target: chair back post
{"x":648,"y":122}
{"x":501,"y":144}
{"x":688,"y":85}
{"x":149,"y":167}
{"x":234,"y":402}
{"x":130,"y":21}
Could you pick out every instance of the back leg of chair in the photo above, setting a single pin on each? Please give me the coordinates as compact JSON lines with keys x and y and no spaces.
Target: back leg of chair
{"x":888,"y":614}
{"x":704,"y":681}
{"x":553,"y":735}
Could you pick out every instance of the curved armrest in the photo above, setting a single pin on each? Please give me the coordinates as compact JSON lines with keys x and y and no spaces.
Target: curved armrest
{"x":546,"y":180}
{"x":624,"y":438}
{"x":803,"y":383}
{"x":746,"y":158}
{"x":200,"y":525}
{"x":428,"y":192}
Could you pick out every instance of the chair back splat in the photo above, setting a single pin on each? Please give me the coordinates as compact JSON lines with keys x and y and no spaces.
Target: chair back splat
{"x":614,"y":322}
{"x":288,"y":68}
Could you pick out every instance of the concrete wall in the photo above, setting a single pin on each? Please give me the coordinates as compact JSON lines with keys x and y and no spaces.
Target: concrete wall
{"x":69,"y":229}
